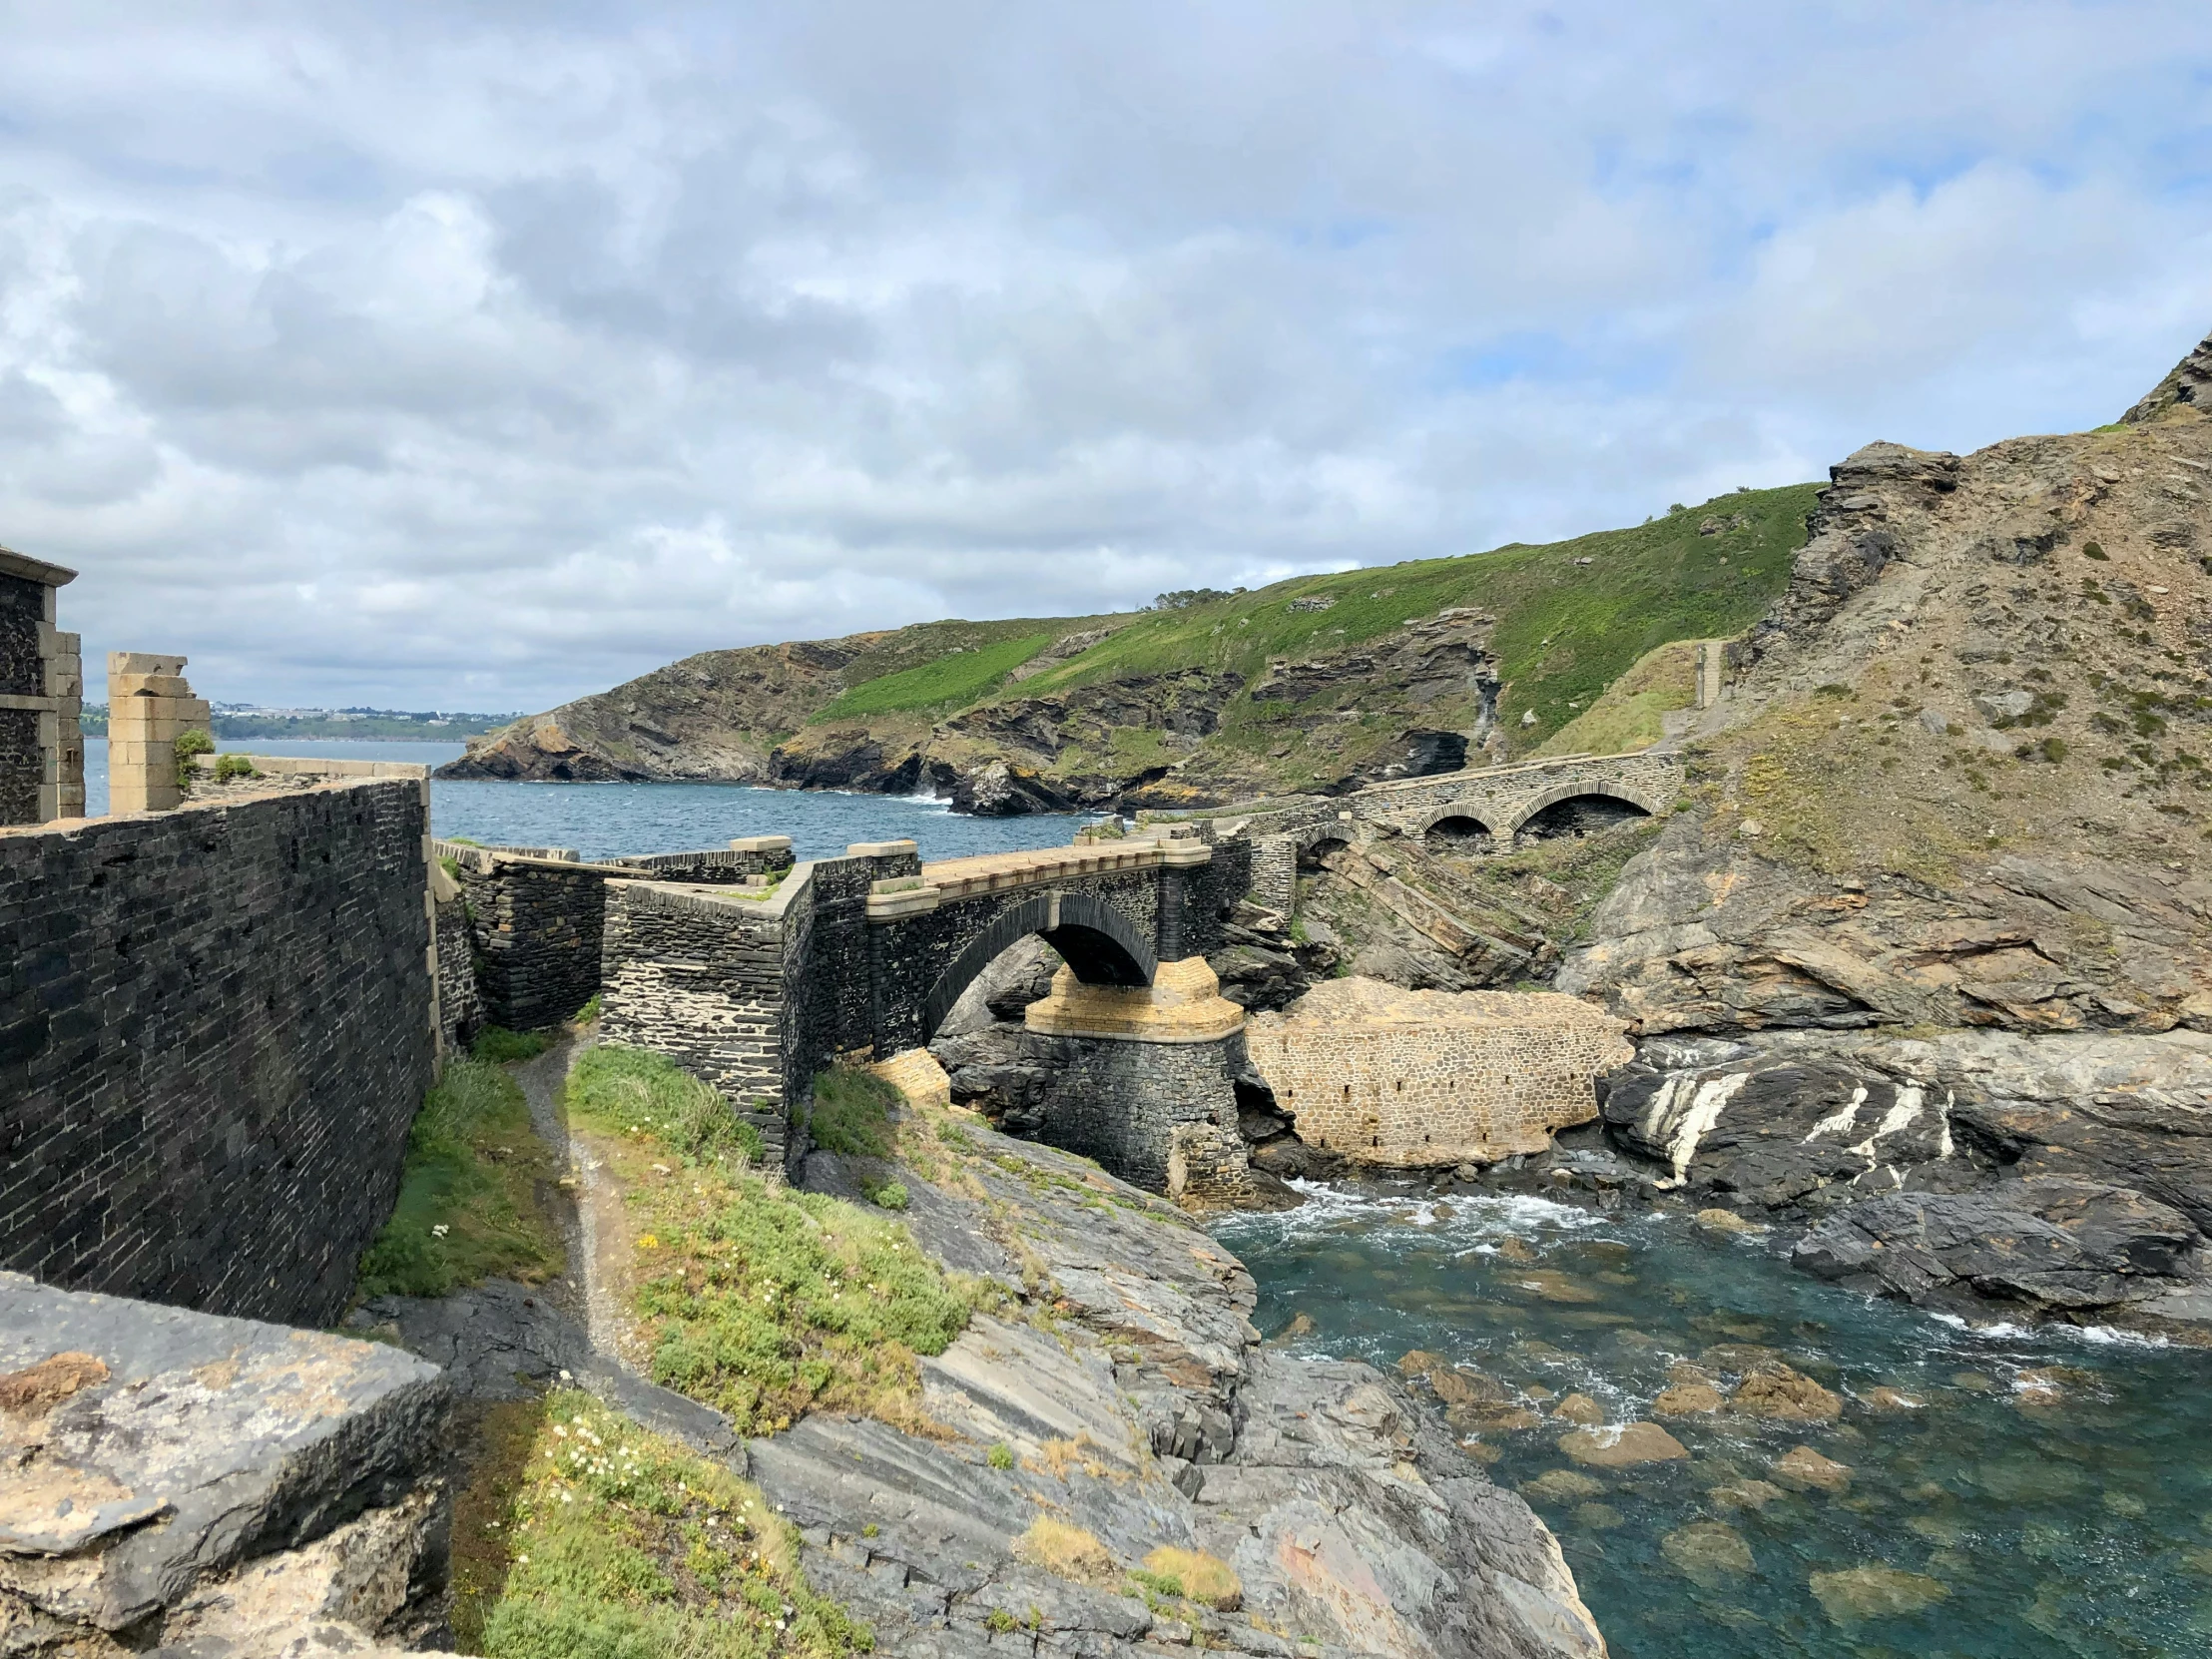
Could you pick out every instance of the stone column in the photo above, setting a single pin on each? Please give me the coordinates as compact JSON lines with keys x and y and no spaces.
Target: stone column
{"x":149,"y":706}
{"x":42,"y":750}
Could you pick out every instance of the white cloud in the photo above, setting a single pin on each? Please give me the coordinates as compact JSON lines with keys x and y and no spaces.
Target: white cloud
{"x":421,"y":354}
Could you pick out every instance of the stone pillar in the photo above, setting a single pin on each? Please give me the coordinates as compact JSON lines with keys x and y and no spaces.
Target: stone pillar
{"x":42,"y":750}
{"x":1274,"y":875}
{"x":1143,"y":1079}
{"x":149,"y":706}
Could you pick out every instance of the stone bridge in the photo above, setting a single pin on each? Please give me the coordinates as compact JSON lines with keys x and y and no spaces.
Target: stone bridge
{"x":1501,"y":800}
{"x":756,"y":988}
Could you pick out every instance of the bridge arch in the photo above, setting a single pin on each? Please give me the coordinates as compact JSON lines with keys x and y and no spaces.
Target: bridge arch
{"x":1091,"y":936}
{"x":1483,"y":819}
{"x":1604,"y":789}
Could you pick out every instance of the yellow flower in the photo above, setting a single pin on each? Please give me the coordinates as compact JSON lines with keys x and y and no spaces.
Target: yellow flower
{"x":648,"y":1240}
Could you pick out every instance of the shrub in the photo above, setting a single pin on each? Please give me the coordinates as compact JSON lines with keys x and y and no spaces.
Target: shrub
{"x":1201,"y":1577}
{"x":1000,"y":1457}
{"x":1064,"y":1549}
{"x":590,"y":1010}
{"x":188,"y":744}
{"x":616,"y":1542}
{"x":227,"y":767}
{"x":635,"y":1088}
{"x":762,"y":1302}
{"x":501,"y":1046}
{"x":891,"y":1195}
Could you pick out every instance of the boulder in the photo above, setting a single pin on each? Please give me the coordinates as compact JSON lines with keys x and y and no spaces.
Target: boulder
{"x":1623,"y":1446}
{"x":1778,"y":1394}
{"x":2053,"y":1243}
{"x":1803,"y":1470}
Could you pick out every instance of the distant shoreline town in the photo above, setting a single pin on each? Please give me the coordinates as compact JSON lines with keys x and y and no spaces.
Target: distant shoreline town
{"x":235,"y":721}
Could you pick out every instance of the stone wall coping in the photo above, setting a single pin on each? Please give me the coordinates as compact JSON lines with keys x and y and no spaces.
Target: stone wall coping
{"x":77,"y":826}
{"x":35,"y":570}
{"x":761,"y":843}
{"x":284,"y":765}
{"x":722,"y":900}
{"x":988,"y":873}
{"x":905,"y":900}
{"x":881,"y":850}
{"x":1512,"y":769}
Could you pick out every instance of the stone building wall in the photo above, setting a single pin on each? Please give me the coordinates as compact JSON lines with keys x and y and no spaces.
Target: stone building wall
{"x":535,"y":925}
{"x":42,"y":747}
{"x":1409,"y":1079}
{"x":215,"y":1030}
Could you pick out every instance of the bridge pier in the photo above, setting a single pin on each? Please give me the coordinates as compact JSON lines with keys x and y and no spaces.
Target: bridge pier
{"x":1144,"y":1079}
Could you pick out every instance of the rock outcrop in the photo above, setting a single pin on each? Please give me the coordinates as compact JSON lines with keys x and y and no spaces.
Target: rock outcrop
{"x":212,"y":1485}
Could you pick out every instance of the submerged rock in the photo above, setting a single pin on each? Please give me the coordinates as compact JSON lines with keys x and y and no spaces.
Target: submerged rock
{"x":1708,"y":1552}
{"x":1622,"y":1448}
{"x":1874,"y":1592}
{"x":1803,"y":1470}
{"x":1773,"y":1392}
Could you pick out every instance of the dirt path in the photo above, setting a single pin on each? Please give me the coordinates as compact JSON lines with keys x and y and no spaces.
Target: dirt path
{"x":595,"y":1225}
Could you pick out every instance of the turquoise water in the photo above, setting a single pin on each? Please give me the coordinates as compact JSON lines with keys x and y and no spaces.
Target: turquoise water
{"x":599,"y":819}
{"x":2068,"y":1524}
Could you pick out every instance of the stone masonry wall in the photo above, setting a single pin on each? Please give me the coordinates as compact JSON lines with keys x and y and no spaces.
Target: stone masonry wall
{"x":535,"y":925}
{"x":1121,"y":1102}
{"x":1409,"y":1079}
{"x":215,"y":1030}
{"x":699,"y":977}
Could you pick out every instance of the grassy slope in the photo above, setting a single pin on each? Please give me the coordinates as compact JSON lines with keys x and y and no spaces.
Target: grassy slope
{"x":947,"y":681}
{"x":469,"y":1205}
{"x":1565,"y":631}
{"x":1628,"y":713}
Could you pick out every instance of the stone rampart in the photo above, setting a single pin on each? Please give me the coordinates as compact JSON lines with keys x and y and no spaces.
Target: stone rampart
{"x":537,"y":914}
{"x":1408,"y":1079}
{"x":215,"y":1030}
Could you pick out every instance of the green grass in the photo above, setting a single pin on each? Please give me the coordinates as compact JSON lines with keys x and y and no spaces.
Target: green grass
{"x":1564,"y":631}
{"x":851,"y":1110}
{"x":1630,"y":713}
{"x":504,"y":1047}
{"x":632,"y":1089}
{"x":594,"y":1539}
{"x":762,"y":1302}
{"x":469,"y":1205}
{"x":948,"y":682}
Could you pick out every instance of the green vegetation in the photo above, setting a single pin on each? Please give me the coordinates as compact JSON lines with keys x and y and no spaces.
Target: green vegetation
{"x":227,"y":767}
{"x":469,"y":1205}
{"x":849,"y":1112}
{"x":188,"y":744}
{"x":1630,"y":713}
{"x":948,"y":682}
{"x":891,"y":1195}
{"x":762,"y":1302}
{"x":590,"y":1010}
{"x":1001,"y":1456}
{"x":641,"y":1091}
{"x":503,"y":1047}
{"x":582,"y":1536}
{"x":1565,"y":631}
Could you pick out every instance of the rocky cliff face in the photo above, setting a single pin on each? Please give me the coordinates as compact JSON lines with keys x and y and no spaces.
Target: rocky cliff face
{"x":1927,"y":965}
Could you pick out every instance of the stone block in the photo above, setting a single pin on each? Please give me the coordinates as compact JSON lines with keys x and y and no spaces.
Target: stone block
{"x":153,"y":1449}
{"x":883,"y":849}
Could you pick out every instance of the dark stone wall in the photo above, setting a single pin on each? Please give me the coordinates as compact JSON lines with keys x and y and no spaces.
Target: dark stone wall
{"x":215,"y":1031}
{"x":827,"y":990}
{"x":698,"y":979}
{"x":22,"y":765}
{"x":1119,"y":1102}
{"x":721,"y":865}
{"x":460,"y":1004}
{"x":22,"y":609}
{"x":536,"y":932}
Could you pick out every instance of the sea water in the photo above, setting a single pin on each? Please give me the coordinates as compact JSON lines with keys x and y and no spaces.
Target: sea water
{"x":2073,"y":1523}
{"x":601,"y":820}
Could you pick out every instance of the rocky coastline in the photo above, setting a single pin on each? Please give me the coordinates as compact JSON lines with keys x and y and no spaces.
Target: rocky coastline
{"x":1120,"y":1390}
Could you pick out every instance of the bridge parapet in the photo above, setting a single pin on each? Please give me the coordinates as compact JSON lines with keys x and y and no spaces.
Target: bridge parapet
{"x":1502,"y":799}
{"x":949,"y":880}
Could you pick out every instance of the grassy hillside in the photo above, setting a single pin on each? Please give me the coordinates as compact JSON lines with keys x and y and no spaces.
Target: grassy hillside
{"x":1566,"y":629}
{"x":949,"y":682}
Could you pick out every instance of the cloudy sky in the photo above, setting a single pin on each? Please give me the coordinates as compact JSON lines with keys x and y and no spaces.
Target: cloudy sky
{"x":477,"y":355}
